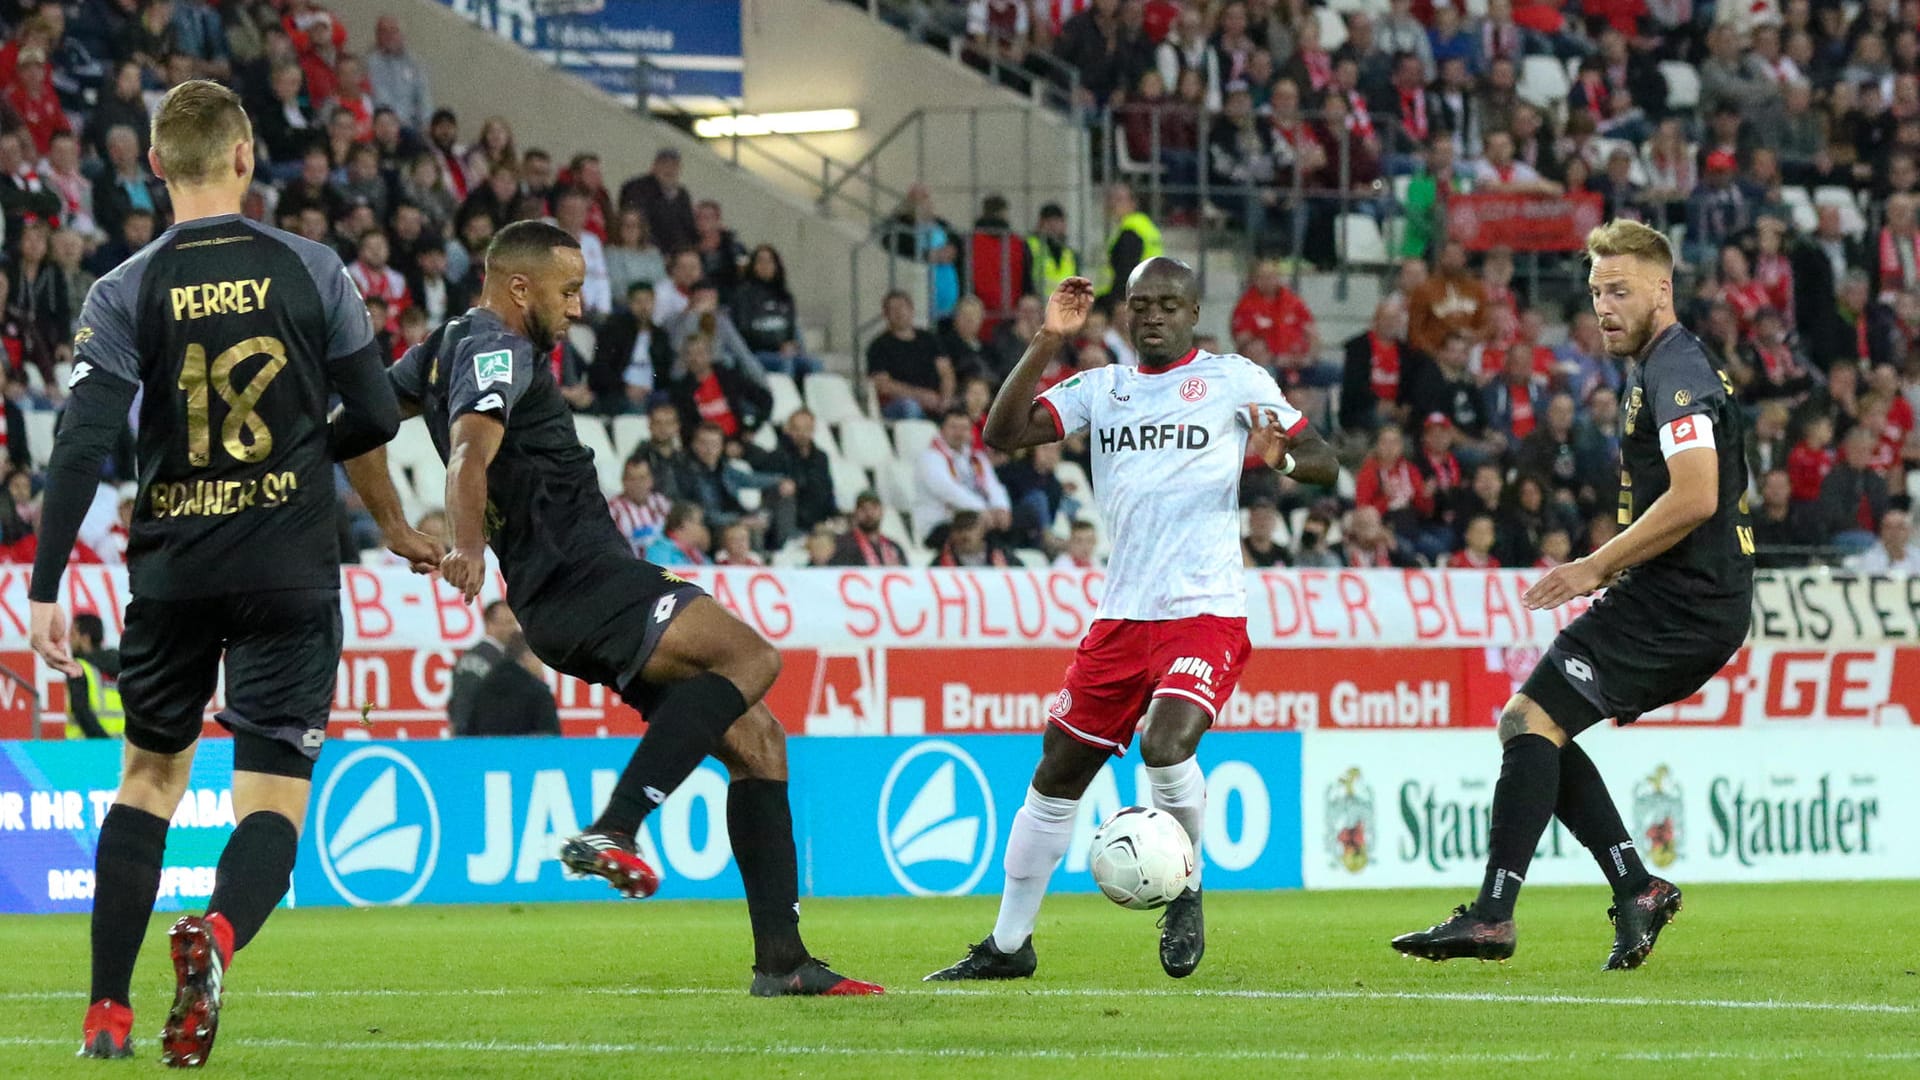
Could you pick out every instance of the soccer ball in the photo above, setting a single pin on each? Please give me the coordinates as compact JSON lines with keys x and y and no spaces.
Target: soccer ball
{"x":1141,"y":858}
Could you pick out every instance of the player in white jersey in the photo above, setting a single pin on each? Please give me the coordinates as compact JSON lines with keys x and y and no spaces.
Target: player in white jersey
{"x":1169,"y":439}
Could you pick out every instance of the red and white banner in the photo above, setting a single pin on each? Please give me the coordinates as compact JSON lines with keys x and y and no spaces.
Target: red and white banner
{"x":1523,"y":222}
{"x":872,"y":652}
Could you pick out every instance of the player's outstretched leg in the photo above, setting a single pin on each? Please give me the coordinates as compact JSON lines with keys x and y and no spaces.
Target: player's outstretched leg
{"x":1523,"y":802}
{"x":133,"y":842}
{"x":760,"y":828}
{"x":1642,"y":904}
{"x":1173,"y":730}
{"x":1041,"y":831}
{"x":706,"y":670}
{"x":270,"y":787}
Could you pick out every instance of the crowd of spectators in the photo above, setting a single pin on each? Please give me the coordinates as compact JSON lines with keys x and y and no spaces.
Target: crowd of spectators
{"x":1480,"y":424}
{"x":684,"y":321}
{"x":1778,"y":141}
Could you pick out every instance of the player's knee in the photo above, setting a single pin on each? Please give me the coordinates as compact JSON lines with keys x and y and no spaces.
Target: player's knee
{"x":752,"y":664}
{"x":1168,"y":744}
{"x":1523,"y":717}
{"x":1513,"y":723}
{"x":152,"y":781}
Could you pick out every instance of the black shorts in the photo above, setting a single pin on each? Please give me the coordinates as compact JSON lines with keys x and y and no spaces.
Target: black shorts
{"x":282,"y":652}
{"x":1627,"y":656}
{"x":601,"y":618}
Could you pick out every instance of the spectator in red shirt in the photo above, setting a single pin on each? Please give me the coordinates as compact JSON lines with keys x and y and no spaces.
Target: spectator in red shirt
{"x":1275,"y":314}
{"x":1811,"y":460}
{"x":1476,"y":553}
{"x":1390,"y":484}
{"x":351,"y":94}
{"x":30,"y":95}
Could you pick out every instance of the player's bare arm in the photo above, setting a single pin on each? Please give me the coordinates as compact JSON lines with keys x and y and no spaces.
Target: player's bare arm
{"x":1313,"y":459}
{"x":1016,"y":421}
{"x":1686,"y":505}
{"x":475,"y":439}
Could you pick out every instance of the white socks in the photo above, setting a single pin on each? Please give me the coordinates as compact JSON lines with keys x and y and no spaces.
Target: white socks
{"x":1181,"y":790}
{"x":1042,"y":829}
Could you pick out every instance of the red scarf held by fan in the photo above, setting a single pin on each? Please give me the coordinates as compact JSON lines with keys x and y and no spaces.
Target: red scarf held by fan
{"x":1384,"y":376}
{"x":874,"y":554}
{"x":976,"y":477}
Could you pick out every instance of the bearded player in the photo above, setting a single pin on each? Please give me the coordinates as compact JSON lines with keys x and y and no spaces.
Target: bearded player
{"x":1679,"y":592}
{"x":519,"y":481}
{"x":1169,"y":438}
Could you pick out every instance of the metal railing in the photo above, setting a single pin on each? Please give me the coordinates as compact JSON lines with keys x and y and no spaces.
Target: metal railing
{"x":25,"y":683}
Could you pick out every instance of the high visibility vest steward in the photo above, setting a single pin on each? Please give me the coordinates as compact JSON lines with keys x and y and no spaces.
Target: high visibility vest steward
{"x":1049,"y":272}
{"x":104,"y":695}
{"x":1150,"y":246}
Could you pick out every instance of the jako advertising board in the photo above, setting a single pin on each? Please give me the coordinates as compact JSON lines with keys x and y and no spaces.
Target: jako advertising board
{"x":481,"y":820}
{"x":1812,"y":804}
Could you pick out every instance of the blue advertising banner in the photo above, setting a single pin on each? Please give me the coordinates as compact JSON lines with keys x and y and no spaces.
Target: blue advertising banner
{"x":692,"y":47}
{"x":480,"y":821}
{"x":54,"y":797}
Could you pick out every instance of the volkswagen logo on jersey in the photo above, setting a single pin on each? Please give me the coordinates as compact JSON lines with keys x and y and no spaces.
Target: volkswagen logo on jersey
{"x":377,"y":828}
{"x":937,"y":826}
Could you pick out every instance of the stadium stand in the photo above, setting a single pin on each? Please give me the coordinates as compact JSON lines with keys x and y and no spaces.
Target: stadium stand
{"x":1253,"y":133}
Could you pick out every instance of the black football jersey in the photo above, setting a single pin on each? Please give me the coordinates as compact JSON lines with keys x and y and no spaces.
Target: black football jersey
{"x":1710,"y":571}
{"x":544,"y":507}
{"x":228,"y":327}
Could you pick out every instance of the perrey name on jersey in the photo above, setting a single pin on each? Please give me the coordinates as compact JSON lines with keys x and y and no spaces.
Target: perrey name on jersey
{"x":1152,"y":437}
{"x":219,"y":298}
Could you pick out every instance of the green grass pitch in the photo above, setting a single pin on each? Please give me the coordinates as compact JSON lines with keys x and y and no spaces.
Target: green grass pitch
{"x":1762,"y":981}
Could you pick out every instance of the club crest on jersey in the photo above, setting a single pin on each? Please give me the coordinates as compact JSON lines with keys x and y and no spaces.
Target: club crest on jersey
{"x":493,"y":367}
{"x":1153,"y":437}
{"x":1062,"y":705}
{"x":1193,"y":389}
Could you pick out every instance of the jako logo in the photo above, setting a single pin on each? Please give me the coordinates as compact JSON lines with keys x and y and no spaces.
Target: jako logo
{"x":939,"y":842}
{"x":371,"y":834}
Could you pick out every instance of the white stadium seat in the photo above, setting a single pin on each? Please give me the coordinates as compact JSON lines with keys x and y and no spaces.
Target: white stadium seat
{"x":786,"y":396}
{"x":912,"y":436}
{"x":593,"y":435}
{"x":1543,"y":81}
{"x":1683,"y":84}
{"x":864,"y":442}
{"x":1360,"y":240}
{"x":831,"y":398}
{"x":628,"y":433}
{"x":898,"y":484}
{"x":849,"y":480}
{"x":40,"y":427}
{"x":417,"y":471}
{"x":1333,"y":28}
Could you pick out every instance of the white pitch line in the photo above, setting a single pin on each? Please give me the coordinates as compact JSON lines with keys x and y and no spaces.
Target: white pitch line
{"x":487,"y":1046}
{"x":1468,"y":997}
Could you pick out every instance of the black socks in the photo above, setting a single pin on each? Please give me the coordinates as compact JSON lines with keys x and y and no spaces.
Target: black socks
{"x":255,"y":870}
{"x":1523,"y":804}
{"x":1588,"y":812}
{"x":686,"y":723}
{"x":126,"y":879}
{"x":760,"y":827}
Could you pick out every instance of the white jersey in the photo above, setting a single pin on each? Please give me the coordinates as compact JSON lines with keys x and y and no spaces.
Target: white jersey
{"x":1168,"y":446}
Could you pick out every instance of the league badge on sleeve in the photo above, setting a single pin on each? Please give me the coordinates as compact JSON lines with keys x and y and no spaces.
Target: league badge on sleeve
{"x":490,"y":368}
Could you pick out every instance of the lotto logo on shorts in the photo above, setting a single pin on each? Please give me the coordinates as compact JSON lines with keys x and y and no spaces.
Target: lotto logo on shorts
{"x":1578,"y":669}
{"x":1062,"y":705}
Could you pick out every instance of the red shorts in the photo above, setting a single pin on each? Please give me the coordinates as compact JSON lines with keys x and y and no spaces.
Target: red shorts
{"x":1122,"y":665}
